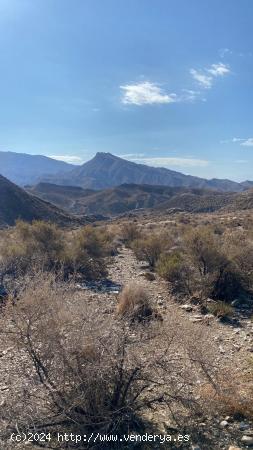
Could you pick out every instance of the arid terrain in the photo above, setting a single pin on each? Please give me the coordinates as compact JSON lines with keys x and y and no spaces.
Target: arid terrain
{"x":189,"y":341}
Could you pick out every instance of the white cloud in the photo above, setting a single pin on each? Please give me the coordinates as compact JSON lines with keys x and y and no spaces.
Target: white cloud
{"x":188,"y":95}
{"x":67,"y":158}
{"x":202,"y":79}
{"x":170,"y":161}
{"x":247,"y":142}
{"x":205,"y":77}
{"x":146,"y":93}
{"x":132,"y":155}
{"x":218,"y":70}
{"x":244,"y":142}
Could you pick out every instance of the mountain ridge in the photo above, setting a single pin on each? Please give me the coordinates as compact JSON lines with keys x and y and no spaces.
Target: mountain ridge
{"x":22,"y":168}
{"x":128,"y":197}
{"x":105,"y":170}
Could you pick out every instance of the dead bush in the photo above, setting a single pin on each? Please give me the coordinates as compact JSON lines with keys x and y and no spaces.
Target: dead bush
{"x":90,"y":373}
{"x":134,"y":303}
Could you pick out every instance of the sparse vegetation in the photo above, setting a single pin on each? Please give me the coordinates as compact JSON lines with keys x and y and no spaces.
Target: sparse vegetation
{"x":93,"y":374}
{"x":134,"y":303}
{"x":221,"y":309}
{"x":43,"y":246}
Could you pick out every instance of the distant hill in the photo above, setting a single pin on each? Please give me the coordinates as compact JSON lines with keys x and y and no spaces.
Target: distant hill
{"x":66,"y":197}
{"x":22,"y":169}
{"x":106,"y":170}
{"x":129,"y":197}
{"x":241,"y":201}
{"x":15,"y":204}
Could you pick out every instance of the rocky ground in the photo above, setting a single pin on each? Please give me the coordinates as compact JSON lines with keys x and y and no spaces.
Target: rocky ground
{"x":234,"y":345}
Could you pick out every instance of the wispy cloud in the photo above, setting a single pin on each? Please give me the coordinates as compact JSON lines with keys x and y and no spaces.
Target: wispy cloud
{"x":132,"y":155}
{"x":218,"y":70}
{"x":171,"y":161}
{"x":146,"y":93}
{"x":202,"y":79}
{"x":245,"y":142}
{"x":225,"y":51}
{"x":67,"y":158}
{"x":205,"y":77}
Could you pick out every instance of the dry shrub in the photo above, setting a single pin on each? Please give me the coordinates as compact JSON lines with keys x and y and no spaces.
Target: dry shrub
{"x":134,"y":303}
{"x":43,"y":246}
{"x":88,"y":372}
{"x":221,"y":309}
{"x":233,"y":394}
{"x":130,"y":232}
{"x":173,"y":268}
{"x":150,"y":248}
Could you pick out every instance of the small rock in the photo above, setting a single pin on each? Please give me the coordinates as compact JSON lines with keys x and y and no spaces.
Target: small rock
{"x":228,"y":419}
{"x":195,"y":447}
{"x":244,"y":426}
{"x":222,"y":350}
{"x":224,"y":424}
{"x":186,"y":307}
{"x":235,"y":302}
{"x":248,"y":440}
{"x":234,"y":448}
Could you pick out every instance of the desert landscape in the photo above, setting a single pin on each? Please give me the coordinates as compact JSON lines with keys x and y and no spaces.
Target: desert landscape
{"x":126,"y":225}
{"x":130,"y":316}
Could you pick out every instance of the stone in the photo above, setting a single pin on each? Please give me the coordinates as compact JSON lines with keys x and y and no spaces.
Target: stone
{"x":224,"y":423}
{"x":222,"y":350}
{"x":248,"y":440}
{"x":244,"y":426}
{"x":195,"y":447}
{"x":186,"y":307}
{"x":234,"y":448}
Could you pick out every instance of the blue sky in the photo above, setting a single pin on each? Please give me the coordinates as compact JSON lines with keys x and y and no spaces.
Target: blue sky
{"x":164,"y":82}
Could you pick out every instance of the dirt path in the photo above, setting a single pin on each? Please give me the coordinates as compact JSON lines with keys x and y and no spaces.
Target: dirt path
{"x":234,"y":343}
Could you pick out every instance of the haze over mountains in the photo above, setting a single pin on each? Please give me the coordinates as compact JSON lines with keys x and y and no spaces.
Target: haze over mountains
{"x":21,"y":168}
{"x":128,"y":197}
{"x":106,"y":170}
{"x":103,"y":171}
{"x":106,"y":185}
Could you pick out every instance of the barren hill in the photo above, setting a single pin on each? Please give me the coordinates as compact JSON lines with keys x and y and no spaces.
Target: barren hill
{"x":15,"y":204}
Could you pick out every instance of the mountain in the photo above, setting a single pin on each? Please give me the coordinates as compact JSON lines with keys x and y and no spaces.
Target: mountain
{"x":23,"y":169}
{"x":66,"y":197}
{"x":106,"y":170}
{"x":15,"y":204}
{"x":128,"y":197}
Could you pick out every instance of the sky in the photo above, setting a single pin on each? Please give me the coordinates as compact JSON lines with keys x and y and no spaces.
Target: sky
{"x":161,"y":82}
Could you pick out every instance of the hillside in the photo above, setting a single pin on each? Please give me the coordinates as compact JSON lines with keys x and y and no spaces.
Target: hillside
{"x":106,"y":170}
{"x":15,"y":204}
{"x":66,"y":197}
{"x":23,"y":169}
{"x":128,"y":197}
